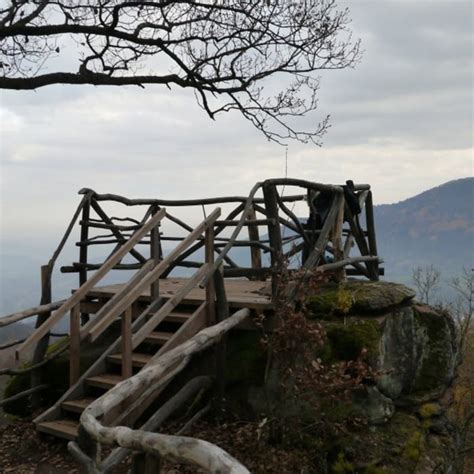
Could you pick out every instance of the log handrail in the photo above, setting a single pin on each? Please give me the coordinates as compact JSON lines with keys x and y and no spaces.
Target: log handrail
{"x":119,"y":303}
{"x":30,"y":312}
{"x":89,"y":284}
{"x":139,"y":383}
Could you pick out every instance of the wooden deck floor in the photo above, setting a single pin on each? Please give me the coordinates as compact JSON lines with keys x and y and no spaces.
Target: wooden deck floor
{"x":240,"y":293}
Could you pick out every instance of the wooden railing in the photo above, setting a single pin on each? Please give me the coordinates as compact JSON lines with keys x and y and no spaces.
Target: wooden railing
{"x":264,"y":222}
{"x":274,"y":232}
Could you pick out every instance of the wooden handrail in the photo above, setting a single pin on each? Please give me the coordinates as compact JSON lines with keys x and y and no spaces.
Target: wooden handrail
{"x":166,"y":309}
{"x":28,"y":313}
{"x":123,"y":291}
{"x":89,"y":284}
{"x":120,"y":303}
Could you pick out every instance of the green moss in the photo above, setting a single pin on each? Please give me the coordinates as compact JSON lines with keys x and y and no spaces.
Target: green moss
{"x":348,"y":341}
{"x":357,"y":297}
{"x":341,"y":465}
{"x":412,"y":449}
{"x":330,"y":302}
{"x":55,"y":374}
{"x":428,"y":410}
{"x":56,"y":345}
{"x":372,"y":469}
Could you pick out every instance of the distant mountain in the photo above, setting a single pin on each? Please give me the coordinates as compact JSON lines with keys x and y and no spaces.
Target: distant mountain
{"x":435,"y":227}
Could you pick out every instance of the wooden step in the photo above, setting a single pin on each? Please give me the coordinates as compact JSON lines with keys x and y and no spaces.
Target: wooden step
{"x":77,"y":406}
{"x":66,"y":429}
{"x":159,"y":337}
{"x":178,"y":317}
{"x":138,"y":360}
{"x":104,"y":380}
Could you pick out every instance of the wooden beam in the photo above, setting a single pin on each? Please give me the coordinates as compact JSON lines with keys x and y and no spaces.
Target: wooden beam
{"x":83,"y":290}
{"x":360,"y":240}
{"x":247,"y":223}
{"x":247,"y":207}
{"x":155,"y":254}
{"x":118,"y":304}
{"x":83,"y":250}
{"x":222,"y":313}
{"x":75,"y":345}
{"x":153,"y":423}
{"x":201,"y":242}
{"x":320,"y":245}
{"x":154,"y":376}
{"x":337,"y":241}
{"x":42,"y":345}
{"x":369,"y":213}
{"x":210,"y":292}
{"x":271,"y":206}
{"x":164,"y":311}
{"x":127,"y":343}
{"x":183,"y":202}
{"x":28,"y":313}
{"x":118,"y":235}
{"x":255,"y":252}
{"x":123,"y":291}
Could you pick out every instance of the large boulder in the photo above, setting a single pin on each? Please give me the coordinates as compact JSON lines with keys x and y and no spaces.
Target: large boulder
{"x":413,"y":346}
{"x":418,"y":353}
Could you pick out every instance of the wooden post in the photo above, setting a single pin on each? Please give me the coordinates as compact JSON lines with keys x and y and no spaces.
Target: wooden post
{"x":210,"y":290}
{"x":42,"y":346}
{"x":155,"y":254}
{"x":274,"y":235}
{"x":358,"y":234}
{"x":89,"y":446}
{"x":369,"y":214}
{"x":83,"y":250}
{"x":255,"y":252}
{"x":337,"y":241}
{"x":75,"y":344}
{"x":127,"y":343}
{"x":146,"y":463}
{"x":222,"y":313}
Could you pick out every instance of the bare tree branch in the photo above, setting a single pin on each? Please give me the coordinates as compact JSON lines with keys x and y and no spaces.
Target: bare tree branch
{"x":259,"y":58}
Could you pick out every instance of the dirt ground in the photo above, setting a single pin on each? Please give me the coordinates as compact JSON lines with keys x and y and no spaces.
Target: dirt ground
{"x":23,"y":451}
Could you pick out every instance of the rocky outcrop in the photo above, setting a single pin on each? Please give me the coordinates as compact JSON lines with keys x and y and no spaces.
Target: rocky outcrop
{"x":412,"y":345}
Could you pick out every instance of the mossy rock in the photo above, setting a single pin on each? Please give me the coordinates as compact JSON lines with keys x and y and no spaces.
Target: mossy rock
{"x":55,"y":374}
{"x":333,"y":300}
{"x":356,"y":297}
{"x":347,"y":341}
{"x":418,"y":354}
{"x":438,"y":359}
{"x":378,"y":296}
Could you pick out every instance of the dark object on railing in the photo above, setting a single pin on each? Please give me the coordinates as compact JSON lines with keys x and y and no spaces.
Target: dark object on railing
{"x":351,"y":199}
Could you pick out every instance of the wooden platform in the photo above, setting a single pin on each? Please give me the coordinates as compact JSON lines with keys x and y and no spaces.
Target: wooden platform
{"x":240,"y":293}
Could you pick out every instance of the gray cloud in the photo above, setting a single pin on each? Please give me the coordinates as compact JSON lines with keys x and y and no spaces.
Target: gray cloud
{"x":402,"y":120}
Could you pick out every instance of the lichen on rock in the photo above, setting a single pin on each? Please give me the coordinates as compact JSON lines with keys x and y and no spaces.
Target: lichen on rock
{"x":356,"y":297}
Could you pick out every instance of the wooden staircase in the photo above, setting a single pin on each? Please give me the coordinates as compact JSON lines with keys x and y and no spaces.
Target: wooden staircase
{"x":63,"y":420}
{"x":148,"y":329}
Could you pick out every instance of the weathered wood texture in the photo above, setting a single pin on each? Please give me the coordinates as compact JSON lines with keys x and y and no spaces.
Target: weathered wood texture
{"x":197,"y":452}
{"x":84,"y":289}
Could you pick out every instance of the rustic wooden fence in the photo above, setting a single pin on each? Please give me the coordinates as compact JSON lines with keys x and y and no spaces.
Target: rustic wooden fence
{"x":326,"y":238}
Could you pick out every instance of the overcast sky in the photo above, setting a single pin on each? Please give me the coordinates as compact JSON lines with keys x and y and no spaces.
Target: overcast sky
{"x":401,"y":121}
